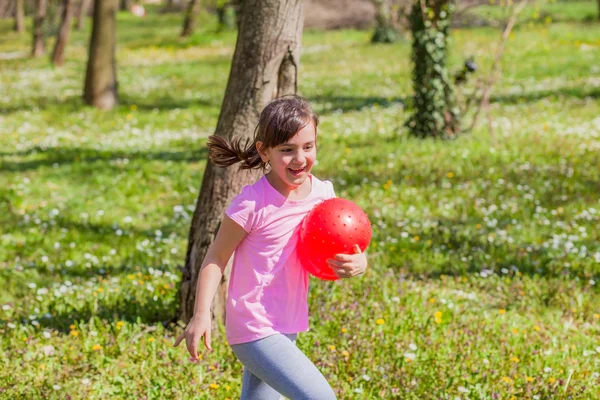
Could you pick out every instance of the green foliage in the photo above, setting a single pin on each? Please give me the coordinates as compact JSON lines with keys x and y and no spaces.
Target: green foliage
{"x":435,"y":110}
{"x":484,"y":266}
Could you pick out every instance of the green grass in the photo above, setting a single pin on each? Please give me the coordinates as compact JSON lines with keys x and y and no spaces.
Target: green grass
{"x":484,"y":265}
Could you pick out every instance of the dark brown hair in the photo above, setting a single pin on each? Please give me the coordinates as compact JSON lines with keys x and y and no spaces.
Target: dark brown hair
{"x":280,"y":120}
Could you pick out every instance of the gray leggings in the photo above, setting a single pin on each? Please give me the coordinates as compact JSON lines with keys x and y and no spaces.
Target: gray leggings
{"x":274,"y":366}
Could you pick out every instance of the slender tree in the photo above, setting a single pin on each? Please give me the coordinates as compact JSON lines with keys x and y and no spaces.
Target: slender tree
{"x":81,"y":14}
{"x":63,"y":33}
{"x":19,"y":16}
{"x":385,"y":32}
{"x":39,"y":38}
{"x":189,"y":22}
{"x":125,"y":5}
{"x":435,"y":110}
{"x":264,"y":66}
{"x":101,"y":76}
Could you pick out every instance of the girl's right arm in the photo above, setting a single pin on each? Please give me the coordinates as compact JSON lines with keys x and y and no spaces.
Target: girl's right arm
{"x":228,"y":237}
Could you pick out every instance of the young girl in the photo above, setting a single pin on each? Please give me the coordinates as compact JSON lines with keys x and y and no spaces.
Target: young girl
{"x":267,"y":298}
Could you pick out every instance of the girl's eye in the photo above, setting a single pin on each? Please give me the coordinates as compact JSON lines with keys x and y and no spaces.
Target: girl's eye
{"x":308,"y":147}
{"x":286,"y":150}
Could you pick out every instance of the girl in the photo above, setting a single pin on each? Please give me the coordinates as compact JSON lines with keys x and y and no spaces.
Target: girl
{"x":267,"y":298}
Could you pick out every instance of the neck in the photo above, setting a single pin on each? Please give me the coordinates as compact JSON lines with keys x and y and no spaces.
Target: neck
{"x":290,"y":192}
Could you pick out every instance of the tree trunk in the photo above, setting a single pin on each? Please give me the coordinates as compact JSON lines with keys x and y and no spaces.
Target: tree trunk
{"x":189,"y":23}
{"x":384,"y":27}
{"x":435,"y":111}
{"x":83,"y":10}
{"x":63,"y":34}
{"x":264,"y":66}
{"x":125,"y":5}
{"x":101,"y":76}
{"x":39,"y":40}
{"x":19,"y":16}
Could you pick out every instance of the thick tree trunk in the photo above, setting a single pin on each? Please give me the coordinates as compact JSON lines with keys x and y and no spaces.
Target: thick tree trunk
{"x":83,"y":10}
{"x":63,"y":34}
{"x":101,"y":76}
{"x":189,"y":23}
{"x":264,"y":65}
{"x":39,"y":40}
{"x":19,"y":16}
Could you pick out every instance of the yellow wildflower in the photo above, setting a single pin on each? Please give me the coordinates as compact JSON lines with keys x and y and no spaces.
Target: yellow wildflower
{"x":71,"y":327}
{"x":597,"y":316}
{"x":536,"y":328}
{"x":507,"y":379}
{"x":150,"y":339}
{"x":450,"y":174}
{"x":432,"y":300}
{"x":380,"y":321}
{"x":74,"y":333}
{"x":96,"y":347}
{"x":213,"y":386}
{"x":551,"y":380}
{"x":344,"y":330}
{"x":529,"y":379}
{"x":515,"y":359}
{"x":502,"y":311}
{"x":331,"y":347}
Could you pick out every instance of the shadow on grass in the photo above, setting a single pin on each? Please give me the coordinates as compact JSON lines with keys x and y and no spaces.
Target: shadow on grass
{"x":456,"y":242}
{"x":73,"y":104}
{"x":532,"y":96}
{"x":85,"y":157}
{"x":350,"y":103}
{"x":131,"y":308}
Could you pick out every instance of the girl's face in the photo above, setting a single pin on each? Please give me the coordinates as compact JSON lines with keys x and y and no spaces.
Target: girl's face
{"x":292,"y":161}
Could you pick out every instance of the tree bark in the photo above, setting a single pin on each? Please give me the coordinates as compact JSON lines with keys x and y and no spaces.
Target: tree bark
{"x":63,"y":34}
{"x":19,"y":16}
{"x":189,"y":23}
{"x":101,"y":76}
{"x":384,"y":27}
{"x":435,"y":112}
{"x":265,"y":64}
{"x":39,"y":40}
{"x":83,"y":10}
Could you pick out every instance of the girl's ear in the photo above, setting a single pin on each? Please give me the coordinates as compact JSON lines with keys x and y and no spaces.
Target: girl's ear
{"x":262,"y":153}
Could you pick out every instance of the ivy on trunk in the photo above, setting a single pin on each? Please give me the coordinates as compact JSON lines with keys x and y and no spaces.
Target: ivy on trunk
{"x":435,"y":111}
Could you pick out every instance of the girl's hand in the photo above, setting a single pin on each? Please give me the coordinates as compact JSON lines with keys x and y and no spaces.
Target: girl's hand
{"x":198,"y":327}
{"x":349,"y":265}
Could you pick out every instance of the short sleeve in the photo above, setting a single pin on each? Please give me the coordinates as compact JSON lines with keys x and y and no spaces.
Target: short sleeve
{"x":242,"y":209}
{"x":330,"y":190}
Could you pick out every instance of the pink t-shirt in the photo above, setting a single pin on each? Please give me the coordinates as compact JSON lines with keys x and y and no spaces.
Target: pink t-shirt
{"x":268,"y":287}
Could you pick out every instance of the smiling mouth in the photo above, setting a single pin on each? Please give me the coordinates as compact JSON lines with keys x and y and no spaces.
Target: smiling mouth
{"x":297,"y":171}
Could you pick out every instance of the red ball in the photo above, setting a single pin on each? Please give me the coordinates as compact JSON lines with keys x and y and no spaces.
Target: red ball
{"x":332,"y":227}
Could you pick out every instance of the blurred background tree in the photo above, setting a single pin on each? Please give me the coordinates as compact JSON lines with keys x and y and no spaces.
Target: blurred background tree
{"x":101,"y":77}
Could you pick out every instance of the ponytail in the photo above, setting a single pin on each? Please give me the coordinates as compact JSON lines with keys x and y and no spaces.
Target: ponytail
{"x":224,"y":153}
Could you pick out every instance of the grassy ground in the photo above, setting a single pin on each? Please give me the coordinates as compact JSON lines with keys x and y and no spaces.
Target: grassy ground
{"x":485,"y":262}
